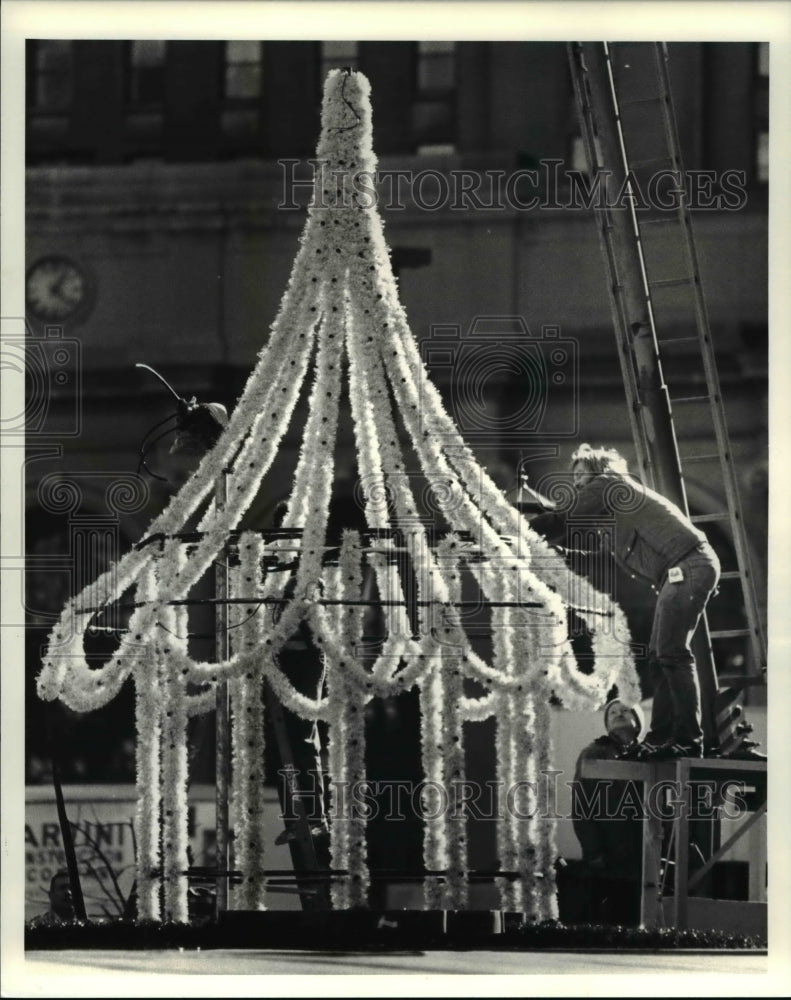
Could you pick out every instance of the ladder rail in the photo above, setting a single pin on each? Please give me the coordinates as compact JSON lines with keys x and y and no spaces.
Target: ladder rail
{"x":630,"y":340}
{"x":693,"y":280}
{"x":650,"y":325}
{"x":641,"y":348}
{"x":730,"y":482}
{"x":704,"y":653}
{"x":603,"y":228}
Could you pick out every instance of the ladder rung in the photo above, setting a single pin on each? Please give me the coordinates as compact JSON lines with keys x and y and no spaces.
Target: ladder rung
{"x":641,"y":100}
{"x":671,"y":282}
{"x":700,"y":458}
{"x":649,"y":161}
{"x":661,"y":220}
{"x":678,"y":340}
{"x":730,"y":633}
{"x":730,"y":574}
{"x":706,"y":518}
{"x":690,"y":399}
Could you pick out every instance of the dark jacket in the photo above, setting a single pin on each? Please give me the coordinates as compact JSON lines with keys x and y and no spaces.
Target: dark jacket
{"x":608,"y":825}
{"x":648,"y":533}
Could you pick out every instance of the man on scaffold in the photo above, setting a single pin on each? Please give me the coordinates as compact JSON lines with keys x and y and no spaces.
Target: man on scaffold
{"x":652,"y":540}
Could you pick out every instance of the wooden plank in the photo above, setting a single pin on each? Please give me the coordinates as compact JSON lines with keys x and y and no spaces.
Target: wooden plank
{"x":653,"y":833}
{"x":625,"y":769}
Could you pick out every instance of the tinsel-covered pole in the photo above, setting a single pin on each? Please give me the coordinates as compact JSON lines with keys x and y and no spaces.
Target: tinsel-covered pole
{"x":173,"y":631}
{"x":346,"y":716}
{"x":149,"y":796}
{"x":222,"y":716}
{"x":247,"y":731}
{"x":452,"y":743}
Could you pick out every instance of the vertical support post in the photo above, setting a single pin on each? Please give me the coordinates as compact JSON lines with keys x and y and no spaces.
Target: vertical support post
{"x":222,"y":716}
{"x":681,"y":826}
{"x":68,"y":844}
{"x":756,"y":852}
{"x":650,"y":906}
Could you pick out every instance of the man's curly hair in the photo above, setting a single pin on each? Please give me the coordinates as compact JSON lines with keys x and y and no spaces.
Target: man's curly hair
{"x":600,"y":460}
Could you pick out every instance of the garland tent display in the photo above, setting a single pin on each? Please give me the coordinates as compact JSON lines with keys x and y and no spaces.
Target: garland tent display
{"x":341,"y":324}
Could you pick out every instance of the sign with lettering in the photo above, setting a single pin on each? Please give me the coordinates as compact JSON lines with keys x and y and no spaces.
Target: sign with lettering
{"x":101,"y":819}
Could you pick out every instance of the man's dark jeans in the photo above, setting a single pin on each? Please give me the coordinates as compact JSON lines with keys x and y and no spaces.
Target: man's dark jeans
{"x":676,"y":712}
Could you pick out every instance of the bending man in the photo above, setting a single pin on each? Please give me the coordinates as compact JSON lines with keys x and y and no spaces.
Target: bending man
{"x":652,"y":539}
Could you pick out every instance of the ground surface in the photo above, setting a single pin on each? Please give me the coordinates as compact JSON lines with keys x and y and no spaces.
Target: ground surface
{"x":129,"y":973}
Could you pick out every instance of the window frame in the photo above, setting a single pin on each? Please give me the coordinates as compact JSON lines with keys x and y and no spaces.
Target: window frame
{"x":445,"y":139}
{"x":35,"y":74}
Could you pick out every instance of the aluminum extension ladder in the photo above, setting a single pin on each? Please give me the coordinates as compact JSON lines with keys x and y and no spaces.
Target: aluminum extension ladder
{"x":625,"y":108}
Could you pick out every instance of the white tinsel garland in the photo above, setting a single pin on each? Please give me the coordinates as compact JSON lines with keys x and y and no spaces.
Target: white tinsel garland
{"x":172,"y":637}
{"x":435,"y":846}
{"x":546,"y":847}
{"x":452,"y":743}
{"x":365,"y":411}
{"x":147,"y":817}
{"x":347,"y":742}
{"x":247,"y":731}
{"x":345,"y":578}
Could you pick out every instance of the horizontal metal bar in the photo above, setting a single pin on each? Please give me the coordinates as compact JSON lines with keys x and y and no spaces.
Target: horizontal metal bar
{"x":707,"y":518}
{"x":671,"y":282}
{"x":674,"y":400}
{"x":302,"y":891}
{"x":661,"y":220}
{"x":325,"y":602}
{"x":730,"y":633}
{"x":635,"y":102}
{"x":274,"y":534}
{"x":320,"y":874}
{"x":650,"y":161}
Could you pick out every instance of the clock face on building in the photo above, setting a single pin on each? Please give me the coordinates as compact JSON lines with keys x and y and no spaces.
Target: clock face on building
{"x":55,"y":288}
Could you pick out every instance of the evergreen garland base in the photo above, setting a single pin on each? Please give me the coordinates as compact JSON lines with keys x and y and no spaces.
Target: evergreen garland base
{"x":366,"y":930}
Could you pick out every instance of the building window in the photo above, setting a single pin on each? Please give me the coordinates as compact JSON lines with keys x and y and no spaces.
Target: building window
{"x":338,"y":55}
{"x":146,"y":72}
{"x":243,"y":71}
{"x":51,"y":86}
{"x":434,"y":107}
{"x":761,"y":110}
{"x":145,"y":97}
{"x":242,"y":81}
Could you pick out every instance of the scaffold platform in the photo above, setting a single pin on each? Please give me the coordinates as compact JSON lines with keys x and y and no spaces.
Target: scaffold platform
{"x":688,"y":805}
